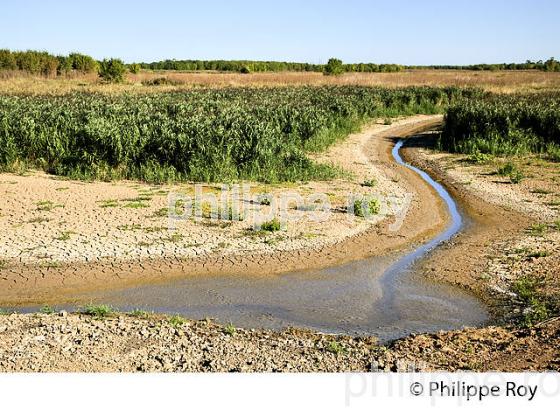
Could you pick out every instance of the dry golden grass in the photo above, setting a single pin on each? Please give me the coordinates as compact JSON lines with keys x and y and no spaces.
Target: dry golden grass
{"x":497,"y":81}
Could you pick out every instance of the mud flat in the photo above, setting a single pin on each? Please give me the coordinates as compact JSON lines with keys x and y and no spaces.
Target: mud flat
{"x":63,"y":238}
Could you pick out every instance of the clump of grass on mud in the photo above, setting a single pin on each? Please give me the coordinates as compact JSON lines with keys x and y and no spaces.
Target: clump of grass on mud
{"x":99,"y":311}
{"x":139,"y":313}
{"x":46,"y":309}
{"x":271,"y":226}
{"x":176,"y":321}
{"x":230,"y":329}
{"x":534,"y":306}
{"x":512,"y":171}
{"x":335,"y":348}
{"x":369,"y":183}
{"x":363,"y":208}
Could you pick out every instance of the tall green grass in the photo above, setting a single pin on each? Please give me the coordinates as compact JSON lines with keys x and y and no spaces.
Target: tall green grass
{"x":202,"y":135}
{"x":504,"y":125}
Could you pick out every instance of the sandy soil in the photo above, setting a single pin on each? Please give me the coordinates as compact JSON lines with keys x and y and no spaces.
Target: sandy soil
{"x":62,"y":237}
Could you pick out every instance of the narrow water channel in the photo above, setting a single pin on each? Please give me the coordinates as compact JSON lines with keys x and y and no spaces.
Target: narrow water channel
{"x":381,"y":296}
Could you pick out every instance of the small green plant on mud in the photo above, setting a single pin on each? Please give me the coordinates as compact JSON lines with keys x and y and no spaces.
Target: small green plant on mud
{"x":510,"y":170}
{"x":65,"y":235}
{"x":176,"y":321}
{"x":139,"y":313}
{"x":271,"y":226}
{"x":373,"y":207}
{"x":109,"y":203}
{"x":534,"y":307}
{"x":479,"y":158}
{"x":230,"y":329}
{"x":99,"y":311}
{"x":47,"y":206}
{"x":335,"y":347}
{"x":48,"y":310}
{"x":538,"y":254}
{"x":538,"y":229}
{"x":369,"y":183}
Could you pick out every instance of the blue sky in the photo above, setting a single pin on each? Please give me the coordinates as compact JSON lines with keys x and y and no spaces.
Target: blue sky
{"x":405,"y":32}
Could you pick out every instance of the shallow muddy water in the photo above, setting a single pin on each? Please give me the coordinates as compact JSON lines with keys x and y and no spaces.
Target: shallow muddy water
{"x":381,"y":296}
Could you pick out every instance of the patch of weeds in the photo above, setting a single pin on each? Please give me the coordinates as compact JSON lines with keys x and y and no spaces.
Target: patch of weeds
{"x":38,"y":220}
{"x":47,"y":206}
{"x":373,"y":207}
{"x":538,"y":229}
{"x":98,"y":311}
{"x":176,"y":237}
{"x":3,"y":264}
{"x":151,"y":229}
{"x":230,"y":329}
{"x":541,"y":191}
{"x":335,"y":347}
{"x":506,"y":169}
{"x":48,"y":310}
{"x":264,"y":200}
{"x":369,"y":183}
{"x":139,"y":313}
{"x":534,"y":307}
{"x":538,"y":254}
{"x":65,"y":235}
{"x":510,"y":170}
{"x":160,"y":213}
{"x":176,"y":321}
{"x":556,"y":224}
{"x":133,"y":227}
{"x":271,"y":226}
{"x":109,"y":203}
{"x":479,"y":158}
{"x":136,"y":205}
{"x":144,"y":244}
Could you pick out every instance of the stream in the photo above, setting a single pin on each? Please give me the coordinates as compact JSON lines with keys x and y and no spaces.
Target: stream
{"x":382,"y":296}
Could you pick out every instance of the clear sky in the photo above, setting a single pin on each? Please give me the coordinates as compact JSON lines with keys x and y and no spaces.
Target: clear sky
{"x":402,"y":31}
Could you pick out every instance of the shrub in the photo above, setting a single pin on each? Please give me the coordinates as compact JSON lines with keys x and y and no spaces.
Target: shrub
{"x":271,"y":226}
{"x":373,"y":207}
{"x":47,"y":310}
{"x":134,"y":68}
{"x":112,"y":70}
{"x":98,"y":311}
{"x":334,"y":67}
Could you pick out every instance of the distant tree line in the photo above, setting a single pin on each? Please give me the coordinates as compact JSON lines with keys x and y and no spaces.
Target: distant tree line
{"x":44,"y":63}
{"x":549,"y":65}
{"x":261,"y":66}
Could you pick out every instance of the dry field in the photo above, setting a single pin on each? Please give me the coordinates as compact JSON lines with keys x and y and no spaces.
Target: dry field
{"x":497,"y":81}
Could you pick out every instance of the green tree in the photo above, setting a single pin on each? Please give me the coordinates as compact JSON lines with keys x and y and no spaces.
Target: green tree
{"x":112,"y":70}
{"x":334,"y":67}
{"x":134,"y":68}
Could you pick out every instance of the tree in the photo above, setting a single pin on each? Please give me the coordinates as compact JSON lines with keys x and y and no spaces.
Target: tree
{"x":112,"y":70}
{"x":334,"y":67}
{"x":134,"y":68}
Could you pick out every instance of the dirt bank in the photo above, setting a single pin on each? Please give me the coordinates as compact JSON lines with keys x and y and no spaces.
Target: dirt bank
{"x":64,"y":237}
